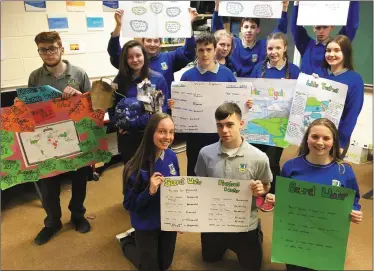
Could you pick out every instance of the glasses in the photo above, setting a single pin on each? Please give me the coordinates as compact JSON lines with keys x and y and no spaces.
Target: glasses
{"x":321,"y":27}
{"x":51,"y":50}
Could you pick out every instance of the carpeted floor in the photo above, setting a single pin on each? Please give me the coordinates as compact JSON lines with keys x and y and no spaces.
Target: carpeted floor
{"x":22,"y":218}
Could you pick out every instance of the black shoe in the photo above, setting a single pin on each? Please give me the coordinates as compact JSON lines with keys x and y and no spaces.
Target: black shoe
{"x":81,"y":224}
{"x":46,"y":234}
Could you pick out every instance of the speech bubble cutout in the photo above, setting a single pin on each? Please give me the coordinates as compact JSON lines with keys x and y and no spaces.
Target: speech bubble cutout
{"x":173,"y":11}
{"x":263,"y":11}
{"x":157,"y":7}
{"x":139,"y":10}
{"x":234,"y":8}
{"x":172,"y":27}
{"x":139,"y":25}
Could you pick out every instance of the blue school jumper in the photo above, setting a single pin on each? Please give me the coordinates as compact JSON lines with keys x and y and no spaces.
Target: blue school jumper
{"x":248,"y":57}
{"x":144,"y":208}
{"x":165,"y":63}
{"x":332,"y":174}
{"x":353,"y":102}
{"x":312,"y":52}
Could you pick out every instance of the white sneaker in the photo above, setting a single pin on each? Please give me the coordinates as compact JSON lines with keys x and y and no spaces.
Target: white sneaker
{"x":120,"y":236}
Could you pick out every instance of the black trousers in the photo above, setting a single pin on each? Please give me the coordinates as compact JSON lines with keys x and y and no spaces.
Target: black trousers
{"x":274,"y":154}
{"x":50,"y":189}
{"x":290,"y":267}
{"x":194,"y":143}
{"x":246,"y":245}
{"x":155,"y":248}
{"x":128,"y":144}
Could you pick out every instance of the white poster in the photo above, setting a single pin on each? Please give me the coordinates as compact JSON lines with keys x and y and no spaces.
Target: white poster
{"x":57,"y":140}
{"x":73,"y":46}
{"x":58,"y":22}
{"x":201,"y":204}
{"x":196,"y":102}
{"x":251,"y":9}
{"x":35,"y":6}
{"x":151,"y":19}
{"x":320,"y":13}
{"x":75,"y":5}
{"x":314,"y":99}
{"x":268,"y":118}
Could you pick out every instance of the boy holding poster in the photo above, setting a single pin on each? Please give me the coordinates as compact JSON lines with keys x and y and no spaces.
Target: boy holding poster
{"x":312,"y":51}
{"x":319,"y":161}
{"x":234,"y":158}
{"x":70,"y":80}
{"x":248,"y":51}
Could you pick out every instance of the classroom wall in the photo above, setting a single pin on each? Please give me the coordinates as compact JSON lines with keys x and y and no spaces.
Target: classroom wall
{"x":19,"y":28}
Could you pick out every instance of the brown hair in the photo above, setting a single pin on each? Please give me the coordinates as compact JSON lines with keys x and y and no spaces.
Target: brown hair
{"x":277,"y":36}
{"x":251,"y":20}
{"x":227,"y":109}
{"x":224,"y":33}
{"x":346,"y":47}
{"x":48,"y":37}
{"x":145,"y":155}
{"x":335,"y":150}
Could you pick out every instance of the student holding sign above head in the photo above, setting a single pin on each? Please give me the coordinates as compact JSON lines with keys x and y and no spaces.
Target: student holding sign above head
{"x":165,"y":63}
{"x":276,"y":66}
{"x":142,"y":177}
{"x":338,"y":66}
{"x":206,"y":70}
{"x":234,"y":158}
{"x":70,"y":80}
{"x":137,"y":83}
{"x":248,"y":51}
{"x":320,"y":161}
{"x":312,"y":50}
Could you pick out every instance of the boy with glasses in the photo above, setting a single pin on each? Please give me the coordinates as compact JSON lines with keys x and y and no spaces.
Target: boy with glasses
{"x":312,"y":51}
{"x":59,"y":74}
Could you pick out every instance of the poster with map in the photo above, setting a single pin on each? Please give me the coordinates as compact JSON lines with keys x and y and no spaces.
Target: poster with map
{"x":314,"y":98}
{"x":268,"y":118}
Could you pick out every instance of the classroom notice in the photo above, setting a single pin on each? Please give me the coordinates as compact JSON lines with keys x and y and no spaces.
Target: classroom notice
{"x":311,"y":224}
{"x":268,"y":118}
{"x":314,"y":98}
{"x":151,"y":19}
{"x":201,"y":204}
{"x":47,"y":138}
{"x":319,"y":12}
{"x":251,"y":9}
{"x":35,"y":6}
{"x":194,"y":107}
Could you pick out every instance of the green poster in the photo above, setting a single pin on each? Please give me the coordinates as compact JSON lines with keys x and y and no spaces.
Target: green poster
{"x":311,"y":224}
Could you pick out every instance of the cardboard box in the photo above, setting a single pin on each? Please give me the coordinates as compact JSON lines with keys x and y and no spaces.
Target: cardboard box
{"x":358,"y":153}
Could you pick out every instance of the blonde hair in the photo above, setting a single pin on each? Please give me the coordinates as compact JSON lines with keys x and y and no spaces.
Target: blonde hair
{"x":224,"y":33}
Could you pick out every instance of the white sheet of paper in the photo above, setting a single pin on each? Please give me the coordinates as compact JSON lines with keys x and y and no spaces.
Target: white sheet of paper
{"x":201,"y":204}
{"x":194,"y":107}
{"x":251,"y":9}
{"x":73,"y":46}
{"x":320,"y":13}
{"x":57,"y":140}
{"x":314,"y":99}
{"x":268,"y":118}
{"x":152,"y":19}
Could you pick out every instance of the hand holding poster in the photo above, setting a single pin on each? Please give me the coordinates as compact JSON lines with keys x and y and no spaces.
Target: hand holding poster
{"x":268,"y":118}
{"x":201,"y":204}
{"x":194,"y":107}
{"x":151,"y":19}
{"x":319,"y":12}
{"x":311,"y":224}
{"x":251,"y":9}
{"x":314,"y":98}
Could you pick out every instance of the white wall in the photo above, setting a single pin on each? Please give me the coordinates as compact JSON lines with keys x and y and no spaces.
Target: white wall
{"x":19,"y":28}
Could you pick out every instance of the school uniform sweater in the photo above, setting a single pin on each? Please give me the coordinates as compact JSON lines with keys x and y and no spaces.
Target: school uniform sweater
{"x":165,"y":63}
{"x":248,"y":57}
{"x":312,"y":52}
{"x":332,"y":174}
{"x":144,"y":208}
{"x":353,"y":102}
{"x":275,"y":73}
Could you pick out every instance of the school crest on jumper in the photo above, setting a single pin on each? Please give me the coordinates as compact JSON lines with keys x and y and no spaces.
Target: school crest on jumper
{"x":73,"y":83}
{"x":335,"y":183}
{"x":254,"y":57}
{"x":242,"y":168}
{"x":164,"y":66}
{"x":172,"y":169}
